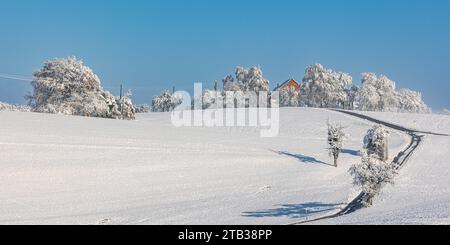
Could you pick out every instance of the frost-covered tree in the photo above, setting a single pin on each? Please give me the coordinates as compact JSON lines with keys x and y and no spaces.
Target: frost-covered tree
{"x":377,"y":94}
{"x":370,"y":174}
{"x":212,"y":99}
{"x":335,"y":141}
{"x":255,"y":80}
{"x":248,"y":84}
{"x":67,"y":86}
{"x":240,"y":99}
{"x":376,"y":142}
{"x":5,"y":107}
{"x":247,"y":79}
{"x":232,"y":85}
{"x":125,"y":106}
{"x":241,"y":74}
{"x":166,"y":102}
{"x":325,"y":88}
{"x":411,"y":101}
{"x":289,"y":97}
{"x":352,"y":93}
{"x":144,"y":108}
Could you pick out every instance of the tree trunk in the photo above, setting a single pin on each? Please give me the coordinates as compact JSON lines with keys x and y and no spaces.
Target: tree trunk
{"x":369,"y":201}
{"x":386,"y":150}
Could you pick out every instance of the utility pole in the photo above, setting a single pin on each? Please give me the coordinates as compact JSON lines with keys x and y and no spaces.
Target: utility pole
{"x":215,"y":86}
{"x":173,"y":89}
{"x":121,"y":90}
{"x":121,"y":100}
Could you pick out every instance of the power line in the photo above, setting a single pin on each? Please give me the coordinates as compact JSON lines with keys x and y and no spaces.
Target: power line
{"x":15,"y":77}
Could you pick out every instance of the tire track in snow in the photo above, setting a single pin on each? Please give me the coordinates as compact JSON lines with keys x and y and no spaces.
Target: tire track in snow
{"x":84,"y":146}
{"x":115,"y":147}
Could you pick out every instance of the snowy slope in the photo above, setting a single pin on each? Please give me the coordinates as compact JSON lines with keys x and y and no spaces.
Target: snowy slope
{"x":74,"y":170}
{"x":423,"y":122}
{"x":421,"y":194}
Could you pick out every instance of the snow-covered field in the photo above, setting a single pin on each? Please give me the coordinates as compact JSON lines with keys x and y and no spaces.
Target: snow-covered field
{"x":422,"y":122}
{"x":421,"y":194}
{"x":75,"y":170}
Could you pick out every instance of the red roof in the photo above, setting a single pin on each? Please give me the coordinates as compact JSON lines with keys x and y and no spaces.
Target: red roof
{"x":291,"y":83}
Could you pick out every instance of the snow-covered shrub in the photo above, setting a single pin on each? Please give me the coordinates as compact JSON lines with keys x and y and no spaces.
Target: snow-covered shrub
{"x":166,"y":102}
{"x":67,"y":86}
{"x":370,"y":174}
{"x":324,"y":88}
{"x":144,"y":108}
{"x":411,"y":101}
{"x":8,"y":107}
{"x":335,"y":141}
{"x":289,"y":97}
{"x":376,"y":142}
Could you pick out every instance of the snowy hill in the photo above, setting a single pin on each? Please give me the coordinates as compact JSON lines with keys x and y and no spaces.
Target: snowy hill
{"x":75,"y":170}
{"x":421,"y":194}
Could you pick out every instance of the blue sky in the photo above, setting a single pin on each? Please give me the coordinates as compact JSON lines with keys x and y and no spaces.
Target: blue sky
{"x":154,"y":45}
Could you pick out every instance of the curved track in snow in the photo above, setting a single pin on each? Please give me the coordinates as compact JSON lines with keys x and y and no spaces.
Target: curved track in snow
{"x":399,"y":161}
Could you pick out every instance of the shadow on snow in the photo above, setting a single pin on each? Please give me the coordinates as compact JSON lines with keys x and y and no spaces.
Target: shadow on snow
{"x":294,"y":211}
{"x":302,"y":158}
{"x":351,"y":152}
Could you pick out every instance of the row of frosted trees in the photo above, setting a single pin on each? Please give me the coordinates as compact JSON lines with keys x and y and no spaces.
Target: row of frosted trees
{"x":320,"y":88}
{"x":325,"y":88}
{"x":67,"y":86}
{"x":245,"y":80}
